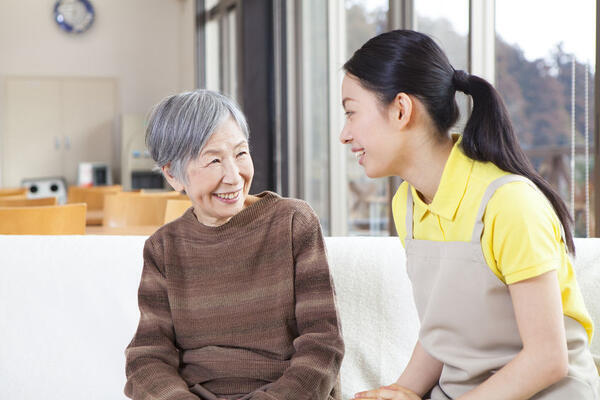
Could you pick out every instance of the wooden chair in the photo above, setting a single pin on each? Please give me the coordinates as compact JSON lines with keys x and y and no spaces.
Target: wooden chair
{"x":152,"y":192}
{"x":14,"y":197}
{"x":44,"y":220}
{"x":93,"y":196}
{"x":17,"y":201}
{"x":175,"y":209}
{"x":13,"y":192}
{"x":134,"y":209}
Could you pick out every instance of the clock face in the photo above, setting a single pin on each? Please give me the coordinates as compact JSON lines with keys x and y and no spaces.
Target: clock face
{"x":74,"y":16}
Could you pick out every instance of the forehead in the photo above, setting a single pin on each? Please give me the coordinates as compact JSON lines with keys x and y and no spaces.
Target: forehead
{"x":352,"y":90}
{"x":228,"y":134}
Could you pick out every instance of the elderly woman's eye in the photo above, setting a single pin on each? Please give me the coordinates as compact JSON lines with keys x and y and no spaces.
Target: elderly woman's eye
{"x":215,"y":161}
{"x":241,"y":153}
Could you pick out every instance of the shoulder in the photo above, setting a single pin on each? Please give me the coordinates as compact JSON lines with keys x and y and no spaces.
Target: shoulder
{"x":185,"y":222}
{"x":521,"y":203}
{"x":298,"y":209}
{"x":301,"y":220}
{"x":285,"y":213}
{"x":168,"y":235}
{"x":522,"y":235}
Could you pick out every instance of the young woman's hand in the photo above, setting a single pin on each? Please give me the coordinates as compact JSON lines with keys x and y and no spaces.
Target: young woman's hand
{"x":391,"y":392}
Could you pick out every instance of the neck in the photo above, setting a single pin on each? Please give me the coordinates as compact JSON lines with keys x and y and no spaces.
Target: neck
{"x":425,"y":167}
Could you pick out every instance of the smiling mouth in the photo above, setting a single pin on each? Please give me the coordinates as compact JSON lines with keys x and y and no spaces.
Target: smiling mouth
{"x":228,"y":196}
{"x":359,"y":154}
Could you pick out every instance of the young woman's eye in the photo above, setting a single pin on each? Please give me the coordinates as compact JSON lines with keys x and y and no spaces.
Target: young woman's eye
{"x":349,"y":113}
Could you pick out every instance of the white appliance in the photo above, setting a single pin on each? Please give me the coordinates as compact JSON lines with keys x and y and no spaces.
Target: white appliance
{"x":46,"y":187}
{"x":93,"y":174}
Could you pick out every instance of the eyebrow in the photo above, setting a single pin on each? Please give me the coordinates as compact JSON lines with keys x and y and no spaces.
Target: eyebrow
{"x":215,"y":151}
{"x":345,"y":100}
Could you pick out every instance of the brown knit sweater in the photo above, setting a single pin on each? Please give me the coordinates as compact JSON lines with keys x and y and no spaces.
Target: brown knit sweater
{"x":242,"y":310}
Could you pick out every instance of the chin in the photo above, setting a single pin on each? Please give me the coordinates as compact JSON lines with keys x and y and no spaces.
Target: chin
{"x":374,"y":174}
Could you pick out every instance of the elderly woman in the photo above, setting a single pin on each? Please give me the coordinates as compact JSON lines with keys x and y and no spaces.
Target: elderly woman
{"x":236,"y":300}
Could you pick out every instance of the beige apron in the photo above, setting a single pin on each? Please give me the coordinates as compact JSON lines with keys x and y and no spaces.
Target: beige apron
{"x":467,"y":317}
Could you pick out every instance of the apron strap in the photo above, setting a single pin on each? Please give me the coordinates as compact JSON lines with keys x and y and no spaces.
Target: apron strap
{"x":491,"y":189}
{"x":409,"y":213}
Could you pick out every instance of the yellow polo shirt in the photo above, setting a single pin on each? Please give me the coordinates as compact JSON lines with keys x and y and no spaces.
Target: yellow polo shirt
{"x":521,"y":238}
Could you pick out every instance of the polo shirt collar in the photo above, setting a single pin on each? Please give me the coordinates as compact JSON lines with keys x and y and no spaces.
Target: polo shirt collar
{"x":452,"y":188}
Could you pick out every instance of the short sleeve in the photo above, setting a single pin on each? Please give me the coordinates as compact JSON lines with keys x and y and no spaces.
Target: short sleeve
{"x":522,"y":236}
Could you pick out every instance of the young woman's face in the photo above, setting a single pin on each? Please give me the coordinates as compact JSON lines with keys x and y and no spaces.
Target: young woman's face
{"x":368,"y":129}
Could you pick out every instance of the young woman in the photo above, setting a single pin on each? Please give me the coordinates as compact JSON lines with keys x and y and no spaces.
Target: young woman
{"x":501,"y":313}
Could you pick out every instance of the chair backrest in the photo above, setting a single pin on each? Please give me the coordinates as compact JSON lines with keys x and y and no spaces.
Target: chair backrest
{"x":18,"y":201}
{"x":93,"y":196}
{"x":175,"y":209}
{"x":43,"y":220}
{"x":136,"y":209}
{"x":13,"y":192}
{"x":14,"y":197}
{"x":158,"y":193}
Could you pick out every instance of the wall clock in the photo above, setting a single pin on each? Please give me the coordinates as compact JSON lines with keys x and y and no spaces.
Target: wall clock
{"x":74,"y":16}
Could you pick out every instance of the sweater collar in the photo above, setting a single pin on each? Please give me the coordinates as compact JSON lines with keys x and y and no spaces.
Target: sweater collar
{"x":248,"y":214}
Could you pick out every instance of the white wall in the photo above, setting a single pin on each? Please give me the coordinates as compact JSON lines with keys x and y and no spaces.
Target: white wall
{"x":147,"y":45}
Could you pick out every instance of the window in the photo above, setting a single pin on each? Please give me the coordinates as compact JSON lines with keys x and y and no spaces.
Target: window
{"x":368,"y":199}
{"x":314,"y":112}
{"x":545,"y":57}
{"x":222,"y":67}
{"x":447,"y":22}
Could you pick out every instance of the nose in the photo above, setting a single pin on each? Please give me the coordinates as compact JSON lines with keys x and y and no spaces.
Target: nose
{"x":231,"y":172}
{"x":345,"y":136}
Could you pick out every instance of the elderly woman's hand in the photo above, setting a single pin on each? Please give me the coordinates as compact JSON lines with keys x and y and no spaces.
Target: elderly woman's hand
{"x":391,"y":392}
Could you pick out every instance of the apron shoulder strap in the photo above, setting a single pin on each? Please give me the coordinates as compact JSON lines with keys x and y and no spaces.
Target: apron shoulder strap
{"x":491,"y":189}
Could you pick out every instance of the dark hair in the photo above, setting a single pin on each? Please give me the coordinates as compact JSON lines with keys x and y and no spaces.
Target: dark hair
{"x":411,"y":62}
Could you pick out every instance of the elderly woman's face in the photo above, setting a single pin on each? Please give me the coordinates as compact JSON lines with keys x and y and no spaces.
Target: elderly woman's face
{"x":219,"y":178}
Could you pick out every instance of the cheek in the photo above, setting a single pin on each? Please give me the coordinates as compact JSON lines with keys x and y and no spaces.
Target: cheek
{"x":247,"y":168}
{"x":366,"y":126}
{"x":202,"y":183}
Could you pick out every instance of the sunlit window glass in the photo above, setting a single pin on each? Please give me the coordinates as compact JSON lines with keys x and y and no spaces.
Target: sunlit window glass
{"x":368,"y":199}
{"x":315,"y":117}
{"x":545,"y":76}
{"x":447,"y":22}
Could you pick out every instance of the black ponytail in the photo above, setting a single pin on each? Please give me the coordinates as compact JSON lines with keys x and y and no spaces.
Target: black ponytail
{"x":410,"y":62}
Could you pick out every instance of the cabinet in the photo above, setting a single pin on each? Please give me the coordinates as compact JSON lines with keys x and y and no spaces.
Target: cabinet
{"x":53,"y":124}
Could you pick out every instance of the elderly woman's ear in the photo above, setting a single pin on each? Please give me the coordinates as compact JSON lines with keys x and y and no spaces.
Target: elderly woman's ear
{"x":174,"y":182}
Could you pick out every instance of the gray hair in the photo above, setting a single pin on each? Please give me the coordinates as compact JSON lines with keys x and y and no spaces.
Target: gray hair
{"x":180,"y":125}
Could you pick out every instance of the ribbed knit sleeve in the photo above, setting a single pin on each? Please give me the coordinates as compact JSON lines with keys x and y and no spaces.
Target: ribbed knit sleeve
{"x":319,"y":347}
{"x":152,"y":357}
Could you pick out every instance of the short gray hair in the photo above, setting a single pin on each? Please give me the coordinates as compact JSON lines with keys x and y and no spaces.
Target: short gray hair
{"x":180,"y":125}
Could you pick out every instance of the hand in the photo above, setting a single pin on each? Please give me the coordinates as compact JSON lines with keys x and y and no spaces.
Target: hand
{"x":391,"y":392}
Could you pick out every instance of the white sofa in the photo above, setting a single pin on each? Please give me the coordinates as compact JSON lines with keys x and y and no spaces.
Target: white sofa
{"x":68,"y":309}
